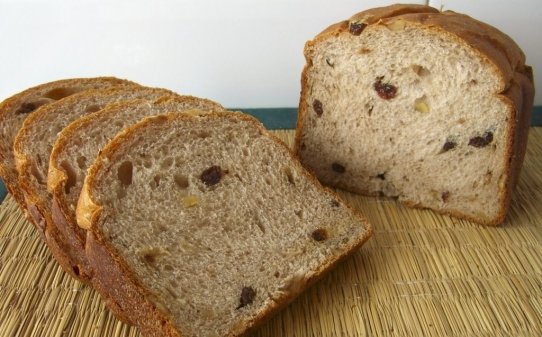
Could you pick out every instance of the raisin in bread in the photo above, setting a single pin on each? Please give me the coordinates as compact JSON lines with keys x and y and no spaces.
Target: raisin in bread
{"x":33,"y":145}
{"x":15,"y":109}
{"x":204,"y":224}
{"x":80,"y":142}
{"x":429,"y":107}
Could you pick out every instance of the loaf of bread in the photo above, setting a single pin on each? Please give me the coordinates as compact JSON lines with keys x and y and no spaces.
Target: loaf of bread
{"x":32,"y":148}
{"x":77,"y":146}
{"x":428,"y":107}
{"x":203,"y":224}
{"x":14,"y":110}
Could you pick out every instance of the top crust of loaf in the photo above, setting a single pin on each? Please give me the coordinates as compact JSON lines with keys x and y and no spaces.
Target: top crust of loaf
{"x":89,"y":216}
{"x":15,"y":109}
{"x":495,"y":46}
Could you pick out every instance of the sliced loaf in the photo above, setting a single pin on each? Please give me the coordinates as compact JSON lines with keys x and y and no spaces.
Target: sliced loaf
{"x":429,"y":107}
{"x":15,"y":109}
{"x":204,"y":224}
{"x":77,"y":146}
{"x":33,"y":145}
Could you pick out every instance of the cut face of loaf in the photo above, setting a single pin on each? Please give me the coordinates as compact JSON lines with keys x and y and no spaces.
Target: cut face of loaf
{"x":204,"y":224}
{"x":412,"y":103}
{"x":34,"y":143}
{"x":81,"y":141}
{"x":14,"y":110}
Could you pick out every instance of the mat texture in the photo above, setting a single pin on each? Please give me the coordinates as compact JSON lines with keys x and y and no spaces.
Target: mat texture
{"x":422,"y":274}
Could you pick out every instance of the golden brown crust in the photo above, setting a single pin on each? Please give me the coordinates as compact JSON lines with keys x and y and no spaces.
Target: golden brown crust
{"x":499,"y":51}
{"x":109,"y":268}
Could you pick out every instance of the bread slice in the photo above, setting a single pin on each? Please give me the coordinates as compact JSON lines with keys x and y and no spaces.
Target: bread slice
{"x":15,"y":109}
{"x":204,"y":224}
{"x":429,"y":107}
{"x":77,"y":146}
{"x":33,"y":145}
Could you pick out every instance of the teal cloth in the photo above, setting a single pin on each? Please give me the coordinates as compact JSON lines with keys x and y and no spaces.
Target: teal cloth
{"x":285,"y":118}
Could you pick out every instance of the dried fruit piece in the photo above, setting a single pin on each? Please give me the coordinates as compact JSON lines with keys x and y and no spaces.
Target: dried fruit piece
{"x":384,"y":90}
{"x":212,"y":175}
{"x":357,"y":27}
{"x":335,"y":203}
{"x":338,"y":168}
{"x":445,"y":196}
{"x":317,"y":106}
{"x":190,"y":201}
{"x":481,"y":141}
{"x":319,"y":235}
{"x":449,"y":145}
{"x":247,"y":297}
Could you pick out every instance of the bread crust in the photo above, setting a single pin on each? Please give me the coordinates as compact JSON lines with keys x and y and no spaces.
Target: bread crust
{"x":495,"y":48}
{"x":11,"y":120}
{"x":117,"y":272}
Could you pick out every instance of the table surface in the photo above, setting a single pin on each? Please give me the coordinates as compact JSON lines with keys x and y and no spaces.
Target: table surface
{"x":421,"y":274}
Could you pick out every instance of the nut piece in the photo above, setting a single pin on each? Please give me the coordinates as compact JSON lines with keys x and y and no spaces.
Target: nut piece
{"x":212,"y":175}
{"x":247,"y":297}
{"x":384,"y":90}
{"x":421,"y":106}
{"x":396,"y":25}
{"x":190,"y":201}
{"x":317,"y":106}
{"x":481,"y":141}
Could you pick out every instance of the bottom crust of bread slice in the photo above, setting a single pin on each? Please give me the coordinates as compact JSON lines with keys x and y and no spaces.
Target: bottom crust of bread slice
{"x":77,"y":146}
{"x":203,"y":224}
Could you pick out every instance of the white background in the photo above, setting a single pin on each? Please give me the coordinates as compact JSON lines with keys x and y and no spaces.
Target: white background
{"x":242,"y":53}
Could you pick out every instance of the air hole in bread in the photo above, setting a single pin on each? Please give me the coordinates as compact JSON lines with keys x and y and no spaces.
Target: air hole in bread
{"x":166,"y":163}
{"x":289,"y":175}
{"x":81,"y":162}
{"x":157,"y":179}
{"x":330,"y":63}
{"x":246,"y":152}
{"x":93,"y":108}
{"x":125,"y":173}
{"x":204,"y":134}
{"x":445,"y":196}
{"x":36,"y":172}
{"x":181,"y":180}
{"x":420,"y":70}
{"x":28,"y":107}
{"x":59,"y":93}
{"x":71,"y":176}
{"x":338,"y":168}
{"x":299,"y":213}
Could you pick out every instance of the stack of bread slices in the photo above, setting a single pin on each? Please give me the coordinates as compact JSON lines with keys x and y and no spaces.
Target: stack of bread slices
{"x":191,"y":220}
{"x":188,"y":219}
